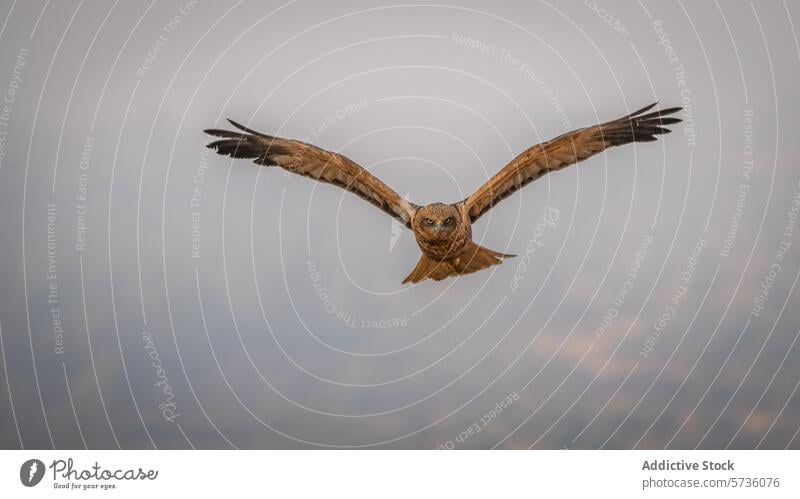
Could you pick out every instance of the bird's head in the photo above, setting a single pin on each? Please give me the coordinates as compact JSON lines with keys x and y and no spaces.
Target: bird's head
{"x":436,"y":221}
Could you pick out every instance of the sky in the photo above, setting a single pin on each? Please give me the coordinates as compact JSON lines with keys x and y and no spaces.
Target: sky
{"x":156,"y":295}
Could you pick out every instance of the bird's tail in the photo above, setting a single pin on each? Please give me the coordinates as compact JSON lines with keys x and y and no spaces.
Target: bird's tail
{"x":472,"y":259}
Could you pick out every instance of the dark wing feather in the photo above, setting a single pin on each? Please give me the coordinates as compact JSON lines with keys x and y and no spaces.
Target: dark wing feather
{"x":566,"y":150}
{"x":311,"y":161}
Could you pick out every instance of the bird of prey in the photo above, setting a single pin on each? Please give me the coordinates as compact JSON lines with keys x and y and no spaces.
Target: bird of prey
{"x":444,"y":231}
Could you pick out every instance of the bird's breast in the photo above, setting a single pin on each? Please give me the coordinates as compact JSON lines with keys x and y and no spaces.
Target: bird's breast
{"x":449,"y":246}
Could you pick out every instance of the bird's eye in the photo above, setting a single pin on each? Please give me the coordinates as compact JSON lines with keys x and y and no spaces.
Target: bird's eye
{"x":448,"y":220}
{"x":429,"y":221}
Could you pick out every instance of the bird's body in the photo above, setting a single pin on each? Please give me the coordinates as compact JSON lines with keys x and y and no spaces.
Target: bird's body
{"x":444,"y":234}
{"x":443,"y":231}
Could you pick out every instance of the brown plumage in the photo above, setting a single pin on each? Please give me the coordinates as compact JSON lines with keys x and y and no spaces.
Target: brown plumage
{"x":444,"y":231}
{"x":311,"y":161}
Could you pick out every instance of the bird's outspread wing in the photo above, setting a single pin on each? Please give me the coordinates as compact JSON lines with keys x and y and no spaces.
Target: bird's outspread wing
{"x":311,"y":161}
{"x":566,"y":150}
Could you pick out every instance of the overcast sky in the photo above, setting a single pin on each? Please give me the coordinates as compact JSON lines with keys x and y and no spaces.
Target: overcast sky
{"x":156,"y":295}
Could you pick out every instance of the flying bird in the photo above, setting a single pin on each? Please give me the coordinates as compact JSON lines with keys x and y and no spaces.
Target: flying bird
{"x":444,"y":231}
